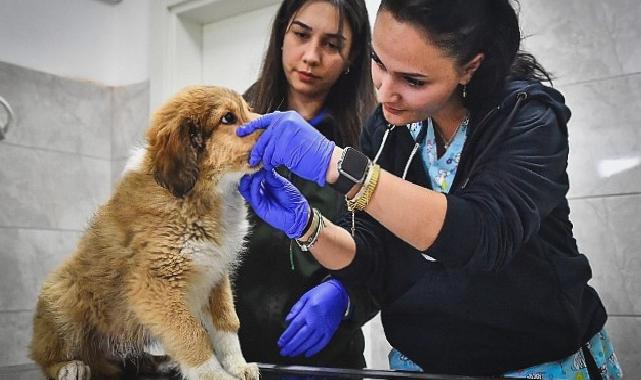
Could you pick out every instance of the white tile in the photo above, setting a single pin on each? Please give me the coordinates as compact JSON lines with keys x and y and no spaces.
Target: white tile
{"x":607,"y":232}
{"x":570,"y":38}
{"x":116,"y":171}
{"x":26,"y":258}
{"x":130,"y":118}
{"x":623,"y":21}
{"x":625,"y":334}
{"x":605,"y":136}
{"x":42,"y":189}
{"x":15,"y":335}
{"x":57,"y":113}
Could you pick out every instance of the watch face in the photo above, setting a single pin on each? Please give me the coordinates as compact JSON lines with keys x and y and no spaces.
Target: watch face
{"x":354,"y":165}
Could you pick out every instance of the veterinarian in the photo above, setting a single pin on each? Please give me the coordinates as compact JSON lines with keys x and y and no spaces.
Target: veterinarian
{"x":461,"y":224}
{"x":320,"y":68}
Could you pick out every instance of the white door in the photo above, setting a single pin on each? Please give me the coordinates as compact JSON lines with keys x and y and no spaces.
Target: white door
{"x":233,"y":48}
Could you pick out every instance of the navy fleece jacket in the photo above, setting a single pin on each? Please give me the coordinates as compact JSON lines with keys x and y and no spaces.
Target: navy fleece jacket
{"x":509,"y":287}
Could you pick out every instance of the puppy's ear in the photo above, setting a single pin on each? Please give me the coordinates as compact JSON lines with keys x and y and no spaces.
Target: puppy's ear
{"x":176,"y":157}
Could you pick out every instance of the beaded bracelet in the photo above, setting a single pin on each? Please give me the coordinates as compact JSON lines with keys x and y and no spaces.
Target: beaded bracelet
{"x":318,"y":223}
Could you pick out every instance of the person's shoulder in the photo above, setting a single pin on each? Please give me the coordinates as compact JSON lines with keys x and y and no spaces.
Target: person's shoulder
{"x":532,"y":100}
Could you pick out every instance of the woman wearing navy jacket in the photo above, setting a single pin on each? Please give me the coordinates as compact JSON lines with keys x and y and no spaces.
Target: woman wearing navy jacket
{"x":460,"y":223}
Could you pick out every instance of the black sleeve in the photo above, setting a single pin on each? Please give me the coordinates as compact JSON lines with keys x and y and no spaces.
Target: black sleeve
{"x":508,"y":195}
{"x":363,"y":305}
{"x":368,"y":265}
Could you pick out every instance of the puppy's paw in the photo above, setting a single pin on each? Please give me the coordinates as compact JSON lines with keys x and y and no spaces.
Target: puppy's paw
{"x":247,"y":372}
{"x":74,"y":370}
{"x":238,"y":367}
{"x":209,"y":370}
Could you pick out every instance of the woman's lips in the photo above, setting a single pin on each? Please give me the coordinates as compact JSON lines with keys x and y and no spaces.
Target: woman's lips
{"x":392,"y":110}
{"x":306,"y":77}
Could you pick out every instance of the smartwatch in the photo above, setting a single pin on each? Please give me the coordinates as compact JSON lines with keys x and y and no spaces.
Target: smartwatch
{"x":352,"y":169}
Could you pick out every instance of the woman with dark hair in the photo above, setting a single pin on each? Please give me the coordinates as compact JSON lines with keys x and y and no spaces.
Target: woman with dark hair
{"x":460,"y":223}
{"x":317,"y":65}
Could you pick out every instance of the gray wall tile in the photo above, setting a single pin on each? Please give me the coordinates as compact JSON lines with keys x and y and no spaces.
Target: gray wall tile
{"x":21,"y":372}
{"x":42,"y":189}
{"x":607,"y":232}
{"x":130,"y":118}
{"x":623,"y":21}
{"x":26,"y":258}
{"x":57,"y":113}
{"x":116,"y":171}
{"x":570,"y":38}
{"x":15,"y":335}
{"x":625,"y":334}
{"x":605,"y":138}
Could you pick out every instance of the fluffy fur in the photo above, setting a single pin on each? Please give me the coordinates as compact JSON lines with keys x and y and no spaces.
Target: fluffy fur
{"x":151,"y":273}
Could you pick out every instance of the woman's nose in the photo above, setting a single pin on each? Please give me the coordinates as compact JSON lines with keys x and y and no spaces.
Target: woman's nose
{"x":311,"y":55}
{"x":386,"y":89}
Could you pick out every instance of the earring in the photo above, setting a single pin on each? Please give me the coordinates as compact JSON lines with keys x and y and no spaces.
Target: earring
{"x":346,"y":71}
{"x":464,"y":91}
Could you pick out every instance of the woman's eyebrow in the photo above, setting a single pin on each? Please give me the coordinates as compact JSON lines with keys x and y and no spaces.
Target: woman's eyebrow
{"x":308,"y":28}
{"x":413,"y":75}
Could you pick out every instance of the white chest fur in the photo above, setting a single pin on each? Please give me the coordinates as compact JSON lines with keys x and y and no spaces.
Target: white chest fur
{"x":213,"y":260}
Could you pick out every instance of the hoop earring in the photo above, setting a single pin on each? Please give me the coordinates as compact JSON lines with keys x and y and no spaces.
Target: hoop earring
{"x":464,"y":91}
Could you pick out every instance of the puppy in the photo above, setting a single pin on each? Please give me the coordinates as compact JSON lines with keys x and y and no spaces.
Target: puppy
{"x":151,"y":273}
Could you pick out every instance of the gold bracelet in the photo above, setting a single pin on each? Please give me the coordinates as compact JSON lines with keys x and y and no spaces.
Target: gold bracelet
{"x":362,"y":198}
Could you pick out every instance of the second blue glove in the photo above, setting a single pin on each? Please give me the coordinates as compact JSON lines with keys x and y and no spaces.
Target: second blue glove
{"x":314,"y":319}
{"x":276,"y":201}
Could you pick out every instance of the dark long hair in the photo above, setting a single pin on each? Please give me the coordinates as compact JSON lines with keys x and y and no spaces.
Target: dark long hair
{"x":351,"y":99}
{"x":464,"y":28}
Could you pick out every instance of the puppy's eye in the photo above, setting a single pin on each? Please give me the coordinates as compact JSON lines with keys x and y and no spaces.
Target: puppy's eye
{"x":229,"y":118}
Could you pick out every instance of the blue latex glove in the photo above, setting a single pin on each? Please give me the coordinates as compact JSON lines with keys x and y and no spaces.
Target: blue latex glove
{"x":276,"y":201}
{"x":290,"y":141}
{"x":313,"y":320}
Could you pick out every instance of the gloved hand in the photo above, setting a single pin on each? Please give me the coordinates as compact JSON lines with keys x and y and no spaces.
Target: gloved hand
{"x":290,"y":141}
{"x":276,"y":201}
{"x":314,"y":319}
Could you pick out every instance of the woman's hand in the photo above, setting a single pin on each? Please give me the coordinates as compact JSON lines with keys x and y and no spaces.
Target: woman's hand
{"x":276,"y":201}
{"x":314,"y":319}
{"x":290,"y":141}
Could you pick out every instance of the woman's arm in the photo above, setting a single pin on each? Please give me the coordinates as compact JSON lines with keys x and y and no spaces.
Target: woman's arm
{"x":393,"y":204}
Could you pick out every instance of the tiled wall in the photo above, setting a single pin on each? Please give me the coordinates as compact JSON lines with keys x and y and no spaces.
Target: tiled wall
{"x":55,"y":168}
{"x":594,"y":49}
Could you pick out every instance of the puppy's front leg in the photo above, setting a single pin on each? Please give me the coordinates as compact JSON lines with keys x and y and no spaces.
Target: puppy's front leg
{"x":181,"y":334}
{"x":224,"y":333}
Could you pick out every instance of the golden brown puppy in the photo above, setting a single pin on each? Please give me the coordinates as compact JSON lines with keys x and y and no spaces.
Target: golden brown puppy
{"x":151,"y":274}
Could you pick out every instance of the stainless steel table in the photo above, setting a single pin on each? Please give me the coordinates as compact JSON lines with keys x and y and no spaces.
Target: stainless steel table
{"x":268,"y":372}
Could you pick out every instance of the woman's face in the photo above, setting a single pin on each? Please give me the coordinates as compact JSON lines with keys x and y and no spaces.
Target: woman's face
{"x":314,"y":52}
{"x":413,"y":78}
